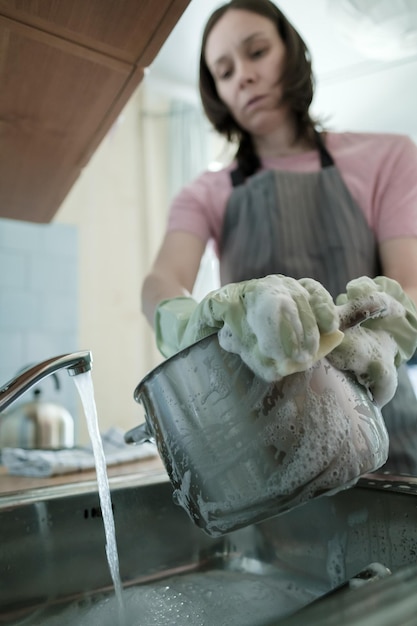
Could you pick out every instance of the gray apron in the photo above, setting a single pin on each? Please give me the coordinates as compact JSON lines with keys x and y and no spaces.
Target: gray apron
{"x":309,"y":225}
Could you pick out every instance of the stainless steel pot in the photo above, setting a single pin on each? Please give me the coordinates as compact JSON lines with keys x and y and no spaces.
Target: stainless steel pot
{"x":239,"y":450}
{"x":37,"y":423}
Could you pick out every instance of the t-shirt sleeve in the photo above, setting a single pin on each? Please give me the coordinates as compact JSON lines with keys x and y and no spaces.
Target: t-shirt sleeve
{"x":395,"y":199}
{"x":188,"y":212}
{"x":199,"y":207}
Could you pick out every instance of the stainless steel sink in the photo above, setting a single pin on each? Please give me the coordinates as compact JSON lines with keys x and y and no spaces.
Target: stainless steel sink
{"x":53,"y":567}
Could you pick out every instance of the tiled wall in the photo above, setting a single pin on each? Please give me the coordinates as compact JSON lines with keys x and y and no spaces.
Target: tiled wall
{"x":38,"y":302}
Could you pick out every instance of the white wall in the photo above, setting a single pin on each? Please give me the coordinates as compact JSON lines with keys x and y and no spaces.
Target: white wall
{"x":119,"y":206}
{"x":38,"y":304}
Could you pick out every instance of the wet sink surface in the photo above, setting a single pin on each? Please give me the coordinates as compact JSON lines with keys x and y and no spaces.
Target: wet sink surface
{"x":53,"y":568}
{"x":217,"y":596}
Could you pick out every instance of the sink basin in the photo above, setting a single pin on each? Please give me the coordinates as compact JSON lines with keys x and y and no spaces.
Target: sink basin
{"x":53,"y":567}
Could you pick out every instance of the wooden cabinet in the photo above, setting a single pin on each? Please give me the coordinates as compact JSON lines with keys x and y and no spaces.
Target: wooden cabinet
{"x":67,"y":68}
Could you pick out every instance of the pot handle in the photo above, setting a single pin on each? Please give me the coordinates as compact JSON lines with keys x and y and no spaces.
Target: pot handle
{"x":139,"y":434}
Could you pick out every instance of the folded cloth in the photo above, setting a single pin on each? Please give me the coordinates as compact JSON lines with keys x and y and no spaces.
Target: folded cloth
{"x":44,"y":463}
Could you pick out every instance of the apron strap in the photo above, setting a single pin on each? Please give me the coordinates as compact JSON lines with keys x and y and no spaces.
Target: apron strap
{"x":326,"y":160}
{"x":237,"y":177}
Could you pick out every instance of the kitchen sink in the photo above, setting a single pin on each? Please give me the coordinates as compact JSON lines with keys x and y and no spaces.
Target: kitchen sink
{"x":54,"y":571}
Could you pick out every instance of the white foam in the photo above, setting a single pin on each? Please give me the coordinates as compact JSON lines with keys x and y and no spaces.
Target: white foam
{"x":286,"y":327}
{"x":214,"y":598}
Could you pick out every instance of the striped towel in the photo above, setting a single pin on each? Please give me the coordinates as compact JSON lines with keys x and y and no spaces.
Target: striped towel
{"x":45,"y":463}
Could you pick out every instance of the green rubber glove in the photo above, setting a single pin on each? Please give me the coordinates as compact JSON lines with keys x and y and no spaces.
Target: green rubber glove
{"x":277,"y":325}
{"x":175,"y":326}
{"x":375,"y":348}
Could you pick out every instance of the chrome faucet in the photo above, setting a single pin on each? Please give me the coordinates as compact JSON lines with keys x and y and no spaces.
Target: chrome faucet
{"x":75,"y":363}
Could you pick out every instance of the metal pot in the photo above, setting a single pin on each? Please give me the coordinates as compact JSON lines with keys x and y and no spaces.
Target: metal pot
{"x":239,"y":450}
{"x":37,"y":424}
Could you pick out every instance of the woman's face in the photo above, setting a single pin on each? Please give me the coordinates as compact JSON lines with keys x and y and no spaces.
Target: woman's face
{"x":246,"y":56}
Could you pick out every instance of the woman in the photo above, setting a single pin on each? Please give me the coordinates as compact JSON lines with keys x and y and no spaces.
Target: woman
{"x":296,"y":201}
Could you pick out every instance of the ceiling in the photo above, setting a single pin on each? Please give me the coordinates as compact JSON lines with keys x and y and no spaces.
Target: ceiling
{"x":353,"y":92}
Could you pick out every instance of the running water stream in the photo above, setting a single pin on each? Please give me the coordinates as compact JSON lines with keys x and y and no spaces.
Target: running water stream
{"x":84,"y":384}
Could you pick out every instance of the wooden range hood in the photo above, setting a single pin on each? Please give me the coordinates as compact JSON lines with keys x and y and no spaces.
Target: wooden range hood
{"x":67,"y":69}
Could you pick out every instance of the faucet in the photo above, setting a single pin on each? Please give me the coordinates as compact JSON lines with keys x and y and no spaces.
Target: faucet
{"x":75,"y":363}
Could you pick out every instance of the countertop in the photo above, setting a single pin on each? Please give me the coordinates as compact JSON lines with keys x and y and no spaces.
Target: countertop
{"x":11,"y":484}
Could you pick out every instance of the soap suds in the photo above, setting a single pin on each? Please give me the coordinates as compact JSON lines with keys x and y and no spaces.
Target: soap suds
{"x":374,"y":349}
{"x":314,"y":433}
{"x":305,"y":427}
{"x":279,"y":325}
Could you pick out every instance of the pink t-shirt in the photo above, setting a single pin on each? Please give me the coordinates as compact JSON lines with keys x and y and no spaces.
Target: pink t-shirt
{"x":380,"y":171}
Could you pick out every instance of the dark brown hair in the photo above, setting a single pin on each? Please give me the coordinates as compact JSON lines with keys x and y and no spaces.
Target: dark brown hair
{"x":297,"y":81}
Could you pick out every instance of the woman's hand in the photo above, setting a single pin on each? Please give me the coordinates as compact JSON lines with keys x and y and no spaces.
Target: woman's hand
{"x":277,"y":325}
{"x":174,"y":271}
{"x":373,"y":349}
